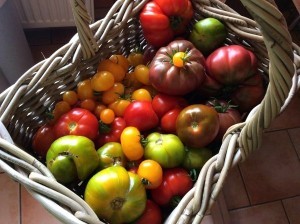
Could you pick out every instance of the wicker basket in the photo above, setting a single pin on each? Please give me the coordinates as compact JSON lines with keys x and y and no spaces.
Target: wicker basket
{"x":24,"y":104}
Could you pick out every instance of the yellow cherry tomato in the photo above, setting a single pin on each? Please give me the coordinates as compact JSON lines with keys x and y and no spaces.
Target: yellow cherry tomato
{"x":116,"y":69}
{"x":113,"y":94}
{"x":179,"y":59}
{"x":141,"y":73}
{"x":84,"y":90}
{"x":107,"y":116}
{"x":141,"y":94}
{"x":102,"y":81}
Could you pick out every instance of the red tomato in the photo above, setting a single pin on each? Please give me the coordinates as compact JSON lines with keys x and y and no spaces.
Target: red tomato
{"x":228,"y":116}
{"x":43,"y":139}
{"x":176,"y":183}
{"x":197,"y":125}
{"x":232,"y":74}
{"x":140,"y":114}
{"x":162,"y":20}
{"x":162,"y":103}
{"x":112,"y":132}
{"x":77,"y":121}
{"x":168,"y":121}
{"x":152,"y":214}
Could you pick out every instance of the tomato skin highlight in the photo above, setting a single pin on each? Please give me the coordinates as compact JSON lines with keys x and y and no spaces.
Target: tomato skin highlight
{"x":77,"y":121}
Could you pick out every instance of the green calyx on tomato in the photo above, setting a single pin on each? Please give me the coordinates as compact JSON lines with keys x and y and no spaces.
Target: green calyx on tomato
{"x":72,"y":158}
{"x":166,"y":149}
{"x":116,"y":195}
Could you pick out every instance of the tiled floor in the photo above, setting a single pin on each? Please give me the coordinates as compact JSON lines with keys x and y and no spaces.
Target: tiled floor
{"x":265,"y":189}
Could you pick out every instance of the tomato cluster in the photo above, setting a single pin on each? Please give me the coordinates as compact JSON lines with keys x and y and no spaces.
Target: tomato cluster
{"x":132,"y":132}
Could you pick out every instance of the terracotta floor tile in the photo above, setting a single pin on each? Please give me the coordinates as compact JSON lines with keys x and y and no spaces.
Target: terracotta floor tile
{"x":207,"y":220}
{"x":32,"y":212}
{"x":292,"y":208}
{"x":234,"y":190}
{"x":9,"y":200}
{"x":290,"y":117}
{"x":270,"y":213}
{"x":272,"y":172}
{"x":295,"y":138}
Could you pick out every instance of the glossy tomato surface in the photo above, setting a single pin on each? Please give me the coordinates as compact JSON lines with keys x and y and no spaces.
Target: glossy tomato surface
{"x":197,"y":125}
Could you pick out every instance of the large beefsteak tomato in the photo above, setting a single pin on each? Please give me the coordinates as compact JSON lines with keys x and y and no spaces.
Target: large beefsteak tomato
{"x":177,"y":69}
{"x":232,"y":74}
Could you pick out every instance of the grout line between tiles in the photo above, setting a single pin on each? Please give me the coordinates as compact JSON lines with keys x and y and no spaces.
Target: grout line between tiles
{"x":291,"y":140}
{"x":281,"y":201}
{"x":20,"y":204}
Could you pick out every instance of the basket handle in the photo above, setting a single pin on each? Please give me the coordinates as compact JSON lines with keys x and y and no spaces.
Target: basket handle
{"x":82,"y":21}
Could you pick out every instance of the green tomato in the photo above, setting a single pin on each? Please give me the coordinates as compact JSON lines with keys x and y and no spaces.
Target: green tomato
{"x":166,"y":149}
{"x":195,"y":158}
{"x":111,"y":154}
{"x":208,"y":34}
{"x":116,"y":195}
{"x":71,"y":158}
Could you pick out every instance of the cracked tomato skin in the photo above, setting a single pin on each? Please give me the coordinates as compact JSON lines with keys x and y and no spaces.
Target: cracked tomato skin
{"x":116,"y":195}
{"x":167,"y":78}
{"x":77,"y":121}
{"x":162,"y":20}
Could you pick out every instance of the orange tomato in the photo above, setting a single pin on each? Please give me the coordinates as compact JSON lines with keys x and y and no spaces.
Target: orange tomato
{"x":113,"y":94}
{"x":89,"y":104}
{"x":84,"y":90}
{"x":107,"y":116}
{"x":116,"y":69}
{"x":135,"y":58}
{"x":151,"y":173}
{"x":102,"y":81}
{"x":70,"y":97}
{"x":120,"y":60}
{"x":119,"y":106}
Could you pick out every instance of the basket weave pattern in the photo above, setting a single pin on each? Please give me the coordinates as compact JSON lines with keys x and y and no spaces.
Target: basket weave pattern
{"x":23,"y":105}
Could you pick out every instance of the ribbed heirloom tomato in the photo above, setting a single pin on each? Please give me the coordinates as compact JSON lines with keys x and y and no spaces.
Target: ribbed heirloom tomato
{"x":116,"y":195}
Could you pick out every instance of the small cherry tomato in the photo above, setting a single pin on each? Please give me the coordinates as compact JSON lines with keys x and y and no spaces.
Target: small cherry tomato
{"x":88,"y":104}
{"x":110,"y":66}
{"x":119,"y":106}
{"x":113,"y":93}
{"x":102,"y":81}
{"x":141,"y":73}
{"x":131,"y":143}
{"x":151,"y":173}
{"x":107,"y":116}
{"x":85,"y":90}
{"x":70,"y":97}
{"x":135,"y":58}
{"x":141,"y":94}
{"x":120,"y":60}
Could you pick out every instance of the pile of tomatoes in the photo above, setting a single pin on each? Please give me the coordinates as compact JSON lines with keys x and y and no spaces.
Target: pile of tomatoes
{"x":136,"y":133}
